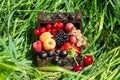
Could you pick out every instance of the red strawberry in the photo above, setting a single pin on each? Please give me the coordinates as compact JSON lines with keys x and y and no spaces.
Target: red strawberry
{"x":37,"y":46}
{"x":68,"y":46}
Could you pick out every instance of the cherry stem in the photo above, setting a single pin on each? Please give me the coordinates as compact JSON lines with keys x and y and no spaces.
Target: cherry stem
{"x":75,"y":61}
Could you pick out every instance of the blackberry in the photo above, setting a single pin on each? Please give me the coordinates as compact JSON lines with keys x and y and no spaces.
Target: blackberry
{"x":61,"y":37}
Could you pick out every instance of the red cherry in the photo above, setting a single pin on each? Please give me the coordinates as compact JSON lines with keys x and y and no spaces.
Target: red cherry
{"x":55,"y":24}
{"x":49,"y":30}
{"x":54,"y":31}
{"x":78,"y":68}
{"x":61,"y":24}
{"x":42,"y":30}
{"x":73,"y":39}
{"x":88,"y":60}
{"x":68,"y":27}
{"x":49,"y":26}
{"x":37,"y":32}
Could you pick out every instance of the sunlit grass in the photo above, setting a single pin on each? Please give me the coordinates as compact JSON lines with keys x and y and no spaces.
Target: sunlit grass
{"x":101,"y":24}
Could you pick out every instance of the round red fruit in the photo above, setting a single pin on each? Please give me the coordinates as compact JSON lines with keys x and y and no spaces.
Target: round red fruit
{"x":49,"y":26}
{"x":73,"y":39}
{"x":78,"y":68}
{"x":88,"y":60}
{"x":37,"y":32}
{"x":42,"y":30}
{"x":69,"y":27}
{"x":54,"y":31}
{"x":49,"y":30}
{"x":61,"y":24}
{"x":55,"y":24}
{"x":37,"y":46}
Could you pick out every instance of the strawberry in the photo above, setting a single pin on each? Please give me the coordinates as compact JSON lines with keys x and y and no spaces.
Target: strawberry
{"x":68,"y":46}
{"x":37,"y":46}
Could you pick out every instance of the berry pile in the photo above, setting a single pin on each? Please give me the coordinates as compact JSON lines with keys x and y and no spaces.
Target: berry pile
{"x":61,"y":37}
{"x":58,"y":41}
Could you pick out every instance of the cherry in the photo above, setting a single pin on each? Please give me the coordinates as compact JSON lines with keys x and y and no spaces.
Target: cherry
{"x":61,"y":24}
{"x":55,"y":24}
{"x":42,"y":30}
{"x":68,"y":27}
{"x":37,"y":32}
{"x":78,"y":68}
{"x":49,"y":30}
{"x":53,"y":31}
{"x":49,"y":26}
{"x":88,"y":60}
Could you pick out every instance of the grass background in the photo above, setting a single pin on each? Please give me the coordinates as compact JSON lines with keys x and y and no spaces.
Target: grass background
{"x":101,"y":24}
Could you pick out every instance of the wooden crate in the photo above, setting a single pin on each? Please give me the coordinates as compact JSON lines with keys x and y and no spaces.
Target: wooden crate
{"x":76,"y":19}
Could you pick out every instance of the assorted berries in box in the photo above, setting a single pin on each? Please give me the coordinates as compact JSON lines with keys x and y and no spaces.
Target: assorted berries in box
{"x":60,"y":41}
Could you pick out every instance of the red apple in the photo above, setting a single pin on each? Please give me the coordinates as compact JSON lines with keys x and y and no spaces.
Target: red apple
{"x":73,"y":39}
{"x":68,"y":27}
{"x":37,"y":46}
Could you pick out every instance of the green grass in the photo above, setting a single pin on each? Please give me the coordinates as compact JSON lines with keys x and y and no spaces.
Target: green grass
{"x":101,"y":24}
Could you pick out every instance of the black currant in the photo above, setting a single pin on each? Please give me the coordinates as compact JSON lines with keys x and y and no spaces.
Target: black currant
{"x":50,"y":53}
{"x":63,"y":54}
{"x":55,"y":59}
{"x":43,"y":55}
{"x":57,"y":51}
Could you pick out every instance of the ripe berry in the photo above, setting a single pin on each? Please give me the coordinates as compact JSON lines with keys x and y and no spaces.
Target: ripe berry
{"x":43,"y":55}
{"x":37,"y":46}
{"x":37,"y":32}
{"x":49,"y":30}
{"x":78,"y":68}
{"x":61,"y":24}
{"x":55,"y":24}
{"x":73,"y":39}
{"x":63,"y":54}
{"x":68,"y":27}
{"x":57,"y":51}
{"x":49,"y":26}
{"x":55,"y":59}
{"x":54,"y":31}
{"x":50,"y":53}
{"x":42,"y":30}
{"x":88,"y":60}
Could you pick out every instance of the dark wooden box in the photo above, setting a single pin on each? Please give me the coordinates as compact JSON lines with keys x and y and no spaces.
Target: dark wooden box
{"x":65,"y":17}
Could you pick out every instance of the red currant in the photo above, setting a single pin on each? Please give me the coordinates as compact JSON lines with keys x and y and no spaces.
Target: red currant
{"x":49,"y":30}
{"x":78,"y":68}
{"x":55,"y":24}
{"x":53,"y":31}
{"x":37,"y":32}
{"x":49,"y":26}
{"x":42,"y":30}
{"x":61,"y":24}
{"x":88,"y":60}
